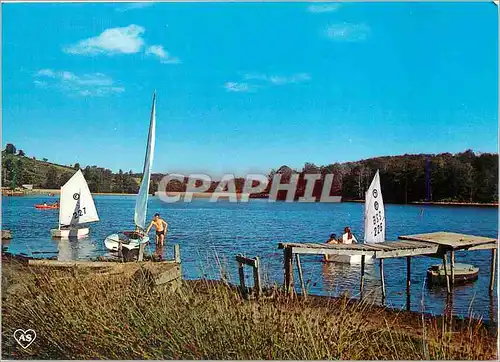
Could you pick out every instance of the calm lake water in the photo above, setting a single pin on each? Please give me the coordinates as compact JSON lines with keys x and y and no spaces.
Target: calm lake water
{"x":207,"y":232}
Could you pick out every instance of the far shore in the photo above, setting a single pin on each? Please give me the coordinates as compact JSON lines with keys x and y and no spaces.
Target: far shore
{"x":438,"y":203}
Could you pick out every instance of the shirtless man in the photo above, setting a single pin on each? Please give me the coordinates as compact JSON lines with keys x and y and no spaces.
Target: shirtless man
{"x":161,"y":227}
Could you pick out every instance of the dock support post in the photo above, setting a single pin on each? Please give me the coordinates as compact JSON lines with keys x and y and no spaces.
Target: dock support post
{"x":448,"y":289}
{"x":142,"y":246}
{"x":288,"y":256}
{"x":452,"y":267}
{"x":362,"y":281}
{"x":382,"y":279}
{"x":493,"y":265}
{"x":408,"y":282}
{"x":177,"y":253}
{"x":241,"y":273}
{"x":256,"y":277}
{"x":301,"y":276}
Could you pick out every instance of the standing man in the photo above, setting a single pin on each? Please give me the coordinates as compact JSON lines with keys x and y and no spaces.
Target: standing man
{"x":161,"y":228}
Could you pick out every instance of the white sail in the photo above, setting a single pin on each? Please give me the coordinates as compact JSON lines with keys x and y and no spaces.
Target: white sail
{"x":76,"y":204}
{"x":141,"y":204}
{"x":374,"y":213}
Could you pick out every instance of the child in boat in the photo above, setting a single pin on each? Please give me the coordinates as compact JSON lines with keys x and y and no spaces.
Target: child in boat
{"x":348,"y":236}
{"x":332,"y":240}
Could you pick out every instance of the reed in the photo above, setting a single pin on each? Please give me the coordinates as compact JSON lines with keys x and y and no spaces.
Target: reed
{"x":92,"y":316}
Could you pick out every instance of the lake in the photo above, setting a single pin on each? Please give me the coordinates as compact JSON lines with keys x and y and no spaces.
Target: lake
{"x":207,"y":232}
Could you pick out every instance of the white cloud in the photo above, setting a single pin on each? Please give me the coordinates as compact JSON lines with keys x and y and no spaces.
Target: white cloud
{"x":238,"y":87}
{"x":159,"y":52}
{"x":126,"y":40}
{"x":134,"y":6}
{"x":347,"y":32}
{"x":278,"y":79}
{"x":92,"y":84}
{"x":323,"y":8}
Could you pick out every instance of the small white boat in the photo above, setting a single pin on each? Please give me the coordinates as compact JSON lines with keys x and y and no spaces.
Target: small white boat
{"x":374,"y":222}
{"x":133,"y":239}
{"x":76,"y":209}
{"x":463,"y":273}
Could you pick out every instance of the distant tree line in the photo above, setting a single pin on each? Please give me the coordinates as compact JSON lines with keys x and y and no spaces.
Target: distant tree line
{"x":461,"y":177}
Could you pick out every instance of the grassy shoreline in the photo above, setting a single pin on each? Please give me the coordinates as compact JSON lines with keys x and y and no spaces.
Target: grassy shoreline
{"x":75,"y":319}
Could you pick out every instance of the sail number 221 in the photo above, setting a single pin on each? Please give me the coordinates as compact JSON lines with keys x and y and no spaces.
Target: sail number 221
{"x":79,"y":213}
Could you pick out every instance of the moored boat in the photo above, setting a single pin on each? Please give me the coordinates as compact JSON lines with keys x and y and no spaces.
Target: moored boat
{"x":76,"y":209}
{"x":131,"y":240}
{"x":463,"y":273}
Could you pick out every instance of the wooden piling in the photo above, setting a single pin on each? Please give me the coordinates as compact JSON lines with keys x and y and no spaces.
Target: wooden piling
{"x":177,"y":253}
{"x":448,"y":289}
{"x":452,"y":267}
{"x":493,"y":265}
{"x":301,"y":276}
{"x":287,"y":256}
{"x":142,"y":246}
{"x":241,"y":273}
{"x":362,"y":281}
{"x":382,"y":279}
{"x":408,"y":282}
{"x":256,"y":277}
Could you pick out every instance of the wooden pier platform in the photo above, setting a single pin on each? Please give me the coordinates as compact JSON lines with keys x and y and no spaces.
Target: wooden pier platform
{"x":436,"y":244}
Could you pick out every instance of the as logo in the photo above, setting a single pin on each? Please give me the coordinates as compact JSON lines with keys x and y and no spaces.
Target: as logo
{"x":24,"y":337}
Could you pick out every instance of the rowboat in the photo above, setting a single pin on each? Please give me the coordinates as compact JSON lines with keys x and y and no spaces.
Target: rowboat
{"x":463,"y":273}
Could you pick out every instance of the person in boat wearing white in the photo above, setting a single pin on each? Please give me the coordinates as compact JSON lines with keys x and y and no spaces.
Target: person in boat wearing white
{"x":348,"y":236}
{"x":161,"y":227}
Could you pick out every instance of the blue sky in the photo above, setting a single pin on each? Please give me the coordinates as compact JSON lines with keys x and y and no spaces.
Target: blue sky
{"x":245,"y":87}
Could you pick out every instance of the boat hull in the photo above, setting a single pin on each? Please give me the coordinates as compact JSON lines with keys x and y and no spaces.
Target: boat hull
{"x":46,"y":207}
{"x":348,"y":259}
{"x":463,"y":273}
{"x":128,"y":239}
{"x":69,"y":233}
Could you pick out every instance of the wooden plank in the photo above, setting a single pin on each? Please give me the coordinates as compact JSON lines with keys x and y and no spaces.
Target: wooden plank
{"x":493,"y":264}
{"x":71,"y":264}
{"x":287,"y":256}
{"x":323,"y":251}
{"x":301,"y":276}
{"x":452,"y":240}
{"x":168,"y":276}
{"x":483,"y":247}
{"x":244,"y":260}
{"x":397,"y":253}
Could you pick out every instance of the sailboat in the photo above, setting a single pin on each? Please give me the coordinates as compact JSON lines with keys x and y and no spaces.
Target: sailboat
{"x":132,"y":239}
{"x":374,"y":217}
{"x":76,"y":208}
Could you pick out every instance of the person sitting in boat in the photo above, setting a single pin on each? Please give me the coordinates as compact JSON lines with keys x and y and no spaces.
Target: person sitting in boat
{"x":161,"y":227}
{"x":348,"y":236}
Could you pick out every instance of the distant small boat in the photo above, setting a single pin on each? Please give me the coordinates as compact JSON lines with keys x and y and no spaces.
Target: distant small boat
{"x":463,"y":273}
{"x":42,"y":206}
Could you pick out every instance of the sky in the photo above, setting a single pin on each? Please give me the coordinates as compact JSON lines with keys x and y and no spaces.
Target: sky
{"x":246,"y":87}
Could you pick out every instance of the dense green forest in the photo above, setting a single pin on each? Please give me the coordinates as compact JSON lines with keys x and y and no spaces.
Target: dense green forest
{"x":464,"y":177}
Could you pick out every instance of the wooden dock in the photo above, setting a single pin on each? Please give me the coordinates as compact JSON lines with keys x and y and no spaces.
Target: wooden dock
{"x":436,"y":244}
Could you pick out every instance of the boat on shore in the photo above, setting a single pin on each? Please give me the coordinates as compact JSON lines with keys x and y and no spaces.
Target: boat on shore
{"x":131,"y":240}
{"x":463,"y":273}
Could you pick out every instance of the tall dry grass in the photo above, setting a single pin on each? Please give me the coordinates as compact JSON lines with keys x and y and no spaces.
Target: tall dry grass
{"x":108,"y":317}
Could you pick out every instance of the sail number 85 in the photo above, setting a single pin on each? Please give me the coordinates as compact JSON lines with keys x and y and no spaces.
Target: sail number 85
{"x":79,"y":213}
